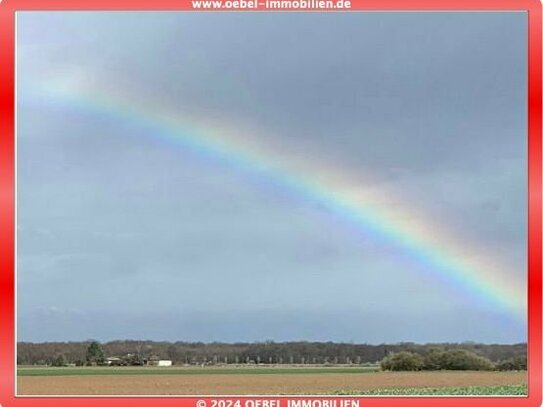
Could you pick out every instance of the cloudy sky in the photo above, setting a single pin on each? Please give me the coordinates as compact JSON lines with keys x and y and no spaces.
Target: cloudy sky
{"x":126,"y":234}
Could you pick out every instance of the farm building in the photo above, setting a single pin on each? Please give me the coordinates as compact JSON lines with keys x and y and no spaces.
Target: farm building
{"x":156,"y":361}
{"x":115,"y":361}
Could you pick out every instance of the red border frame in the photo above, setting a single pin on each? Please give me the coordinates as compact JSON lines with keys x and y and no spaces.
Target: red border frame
{"x":7,"y":190}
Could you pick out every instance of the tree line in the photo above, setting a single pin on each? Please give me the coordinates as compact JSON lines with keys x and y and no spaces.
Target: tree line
{"x":268,"y":352}
{"x":449,"y":359}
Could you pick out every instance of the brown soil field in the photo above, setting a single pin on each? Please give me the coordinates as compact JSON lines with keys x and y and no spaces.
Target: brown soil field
{"x":261,"y":384}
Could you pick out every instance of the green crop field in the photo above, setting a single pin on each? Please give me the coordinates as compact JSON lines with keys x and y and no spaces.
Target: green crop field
{"x":509,"y":390}
{"x":101,"y":371}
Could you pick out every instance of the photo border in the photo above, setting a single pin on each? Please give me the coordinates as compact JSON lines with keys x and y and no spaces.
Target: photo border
{"x":8,"y":8}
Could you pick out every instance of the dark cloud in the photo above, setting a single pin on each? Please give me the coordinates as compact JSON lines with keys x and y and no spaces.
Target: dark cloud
{"x":429,"y":105}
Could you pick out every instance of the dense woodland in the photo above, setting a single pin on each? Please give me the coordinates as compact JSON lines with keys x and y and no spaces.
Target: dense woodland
{"x":260,"y":352}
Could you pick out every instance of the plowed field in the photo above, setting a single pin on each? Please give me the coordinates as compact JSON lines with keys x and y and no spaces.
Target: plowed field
{"x":256,"y":384}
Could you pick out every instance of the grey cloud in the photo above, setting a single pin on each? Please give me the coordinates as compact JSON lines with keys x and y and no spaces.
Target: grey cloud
{"x":430,"y":105}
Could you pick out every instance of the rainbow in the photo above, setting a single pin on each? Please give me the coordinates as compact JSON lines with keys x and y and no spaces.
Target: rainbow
{"x":372,"y":210}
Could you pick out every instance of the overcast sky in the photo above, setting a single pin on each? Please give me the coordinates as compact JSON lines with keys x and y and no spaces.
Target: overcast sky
{"x":122,"y":235}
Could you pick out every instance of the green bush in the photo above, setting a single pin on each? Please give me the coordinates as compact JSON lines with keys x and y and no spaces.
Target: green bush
{"x":517,"y":363}
{"x":433,"y":360}
{"x":439,"y":359}
{"x":403,"y":361}
{"x":456,"y":359}
{"x":59,"y":361}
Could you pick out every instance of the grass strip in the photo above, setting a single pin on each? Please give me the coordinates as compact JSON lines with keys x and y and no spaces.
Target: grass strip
{"x":118,"y":371}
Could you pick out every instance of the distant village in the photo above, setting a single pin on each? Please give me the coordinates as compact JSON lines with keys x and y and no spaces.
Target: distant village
{"x":131,"y":359}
